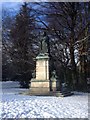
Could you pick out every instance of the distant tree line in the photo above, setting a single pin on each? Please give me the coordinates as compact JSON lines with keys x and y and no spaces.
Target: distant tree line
{"x":68,"y":27}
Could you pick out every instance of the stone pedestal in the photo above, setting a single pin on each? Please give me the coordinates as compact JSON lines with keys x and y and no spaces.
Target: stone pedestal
{"x":40,"y":84}
{"x":42,"y":67}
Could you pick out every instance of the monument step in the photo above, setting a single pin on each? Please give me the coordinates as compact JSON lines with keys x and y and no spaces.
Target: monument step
{"x":63,"y":94}
{"x":42,"y":93}
{"x":50,"y":93}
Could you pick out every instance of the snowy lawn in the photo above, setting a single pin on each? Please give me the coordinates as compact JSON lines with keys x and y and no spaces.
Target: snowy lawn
{"x":14,"y":105}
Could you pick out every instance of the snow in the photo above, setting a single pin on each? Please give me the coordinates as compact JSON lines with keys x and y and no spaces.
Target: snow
{"x":14,"y":105}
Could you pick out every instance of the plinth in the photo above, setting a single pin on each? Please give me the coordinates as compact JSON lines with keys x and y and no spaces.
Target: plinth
{"x":40,"y":84}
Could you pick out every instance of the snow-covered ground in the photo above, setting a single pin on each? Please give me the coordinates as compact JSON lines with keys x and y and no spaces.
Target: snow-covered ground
{"x":14,"y":105}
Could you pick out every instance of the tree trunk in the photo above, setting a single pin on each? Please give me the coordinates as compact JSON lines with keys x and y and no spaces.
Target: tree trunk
{"x":73,"y":67}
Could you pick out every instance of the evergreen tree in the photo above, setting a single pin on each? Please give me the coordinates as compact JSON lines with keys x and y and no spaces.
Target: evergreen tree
{"x":22,"y":39}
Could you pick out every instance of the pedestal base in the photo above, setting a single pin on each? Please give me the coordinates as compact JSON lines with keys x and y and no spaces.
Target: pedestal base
{"x":39,"y":87}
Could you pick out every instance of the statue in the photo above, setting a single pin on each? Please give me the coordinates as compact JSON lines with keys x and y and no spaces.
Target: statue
{"x":54,"y":76}
{"x":44,"y":43}
{"x":34,"y":74}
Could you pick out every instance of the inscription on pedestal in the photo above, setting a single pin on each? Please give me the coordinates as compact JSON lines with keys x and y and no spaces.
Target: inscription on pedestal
{"x":42,"y":70}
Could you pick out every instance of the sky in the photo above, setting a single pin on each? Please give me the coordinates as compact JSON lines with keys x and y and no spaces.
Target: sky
{"x":45,"y":0}
{"x":13,"y":5}
{"x":11,"y":0}
{"x":22,"y":0}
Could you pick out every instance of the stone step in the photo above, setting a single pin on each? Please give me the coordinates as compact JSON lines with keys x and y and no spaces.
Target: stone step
{"x":50,"y":93}
{"x":64,"y":94}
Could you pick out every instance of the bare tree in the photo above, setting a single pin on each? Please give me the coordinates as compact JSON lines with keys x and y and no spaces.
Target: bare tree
{"x":67,"y":23}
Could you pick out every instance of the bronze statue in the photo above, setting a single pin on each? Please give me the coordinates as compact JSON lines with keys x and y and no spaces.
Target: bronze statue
{"x":44,"y":43}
